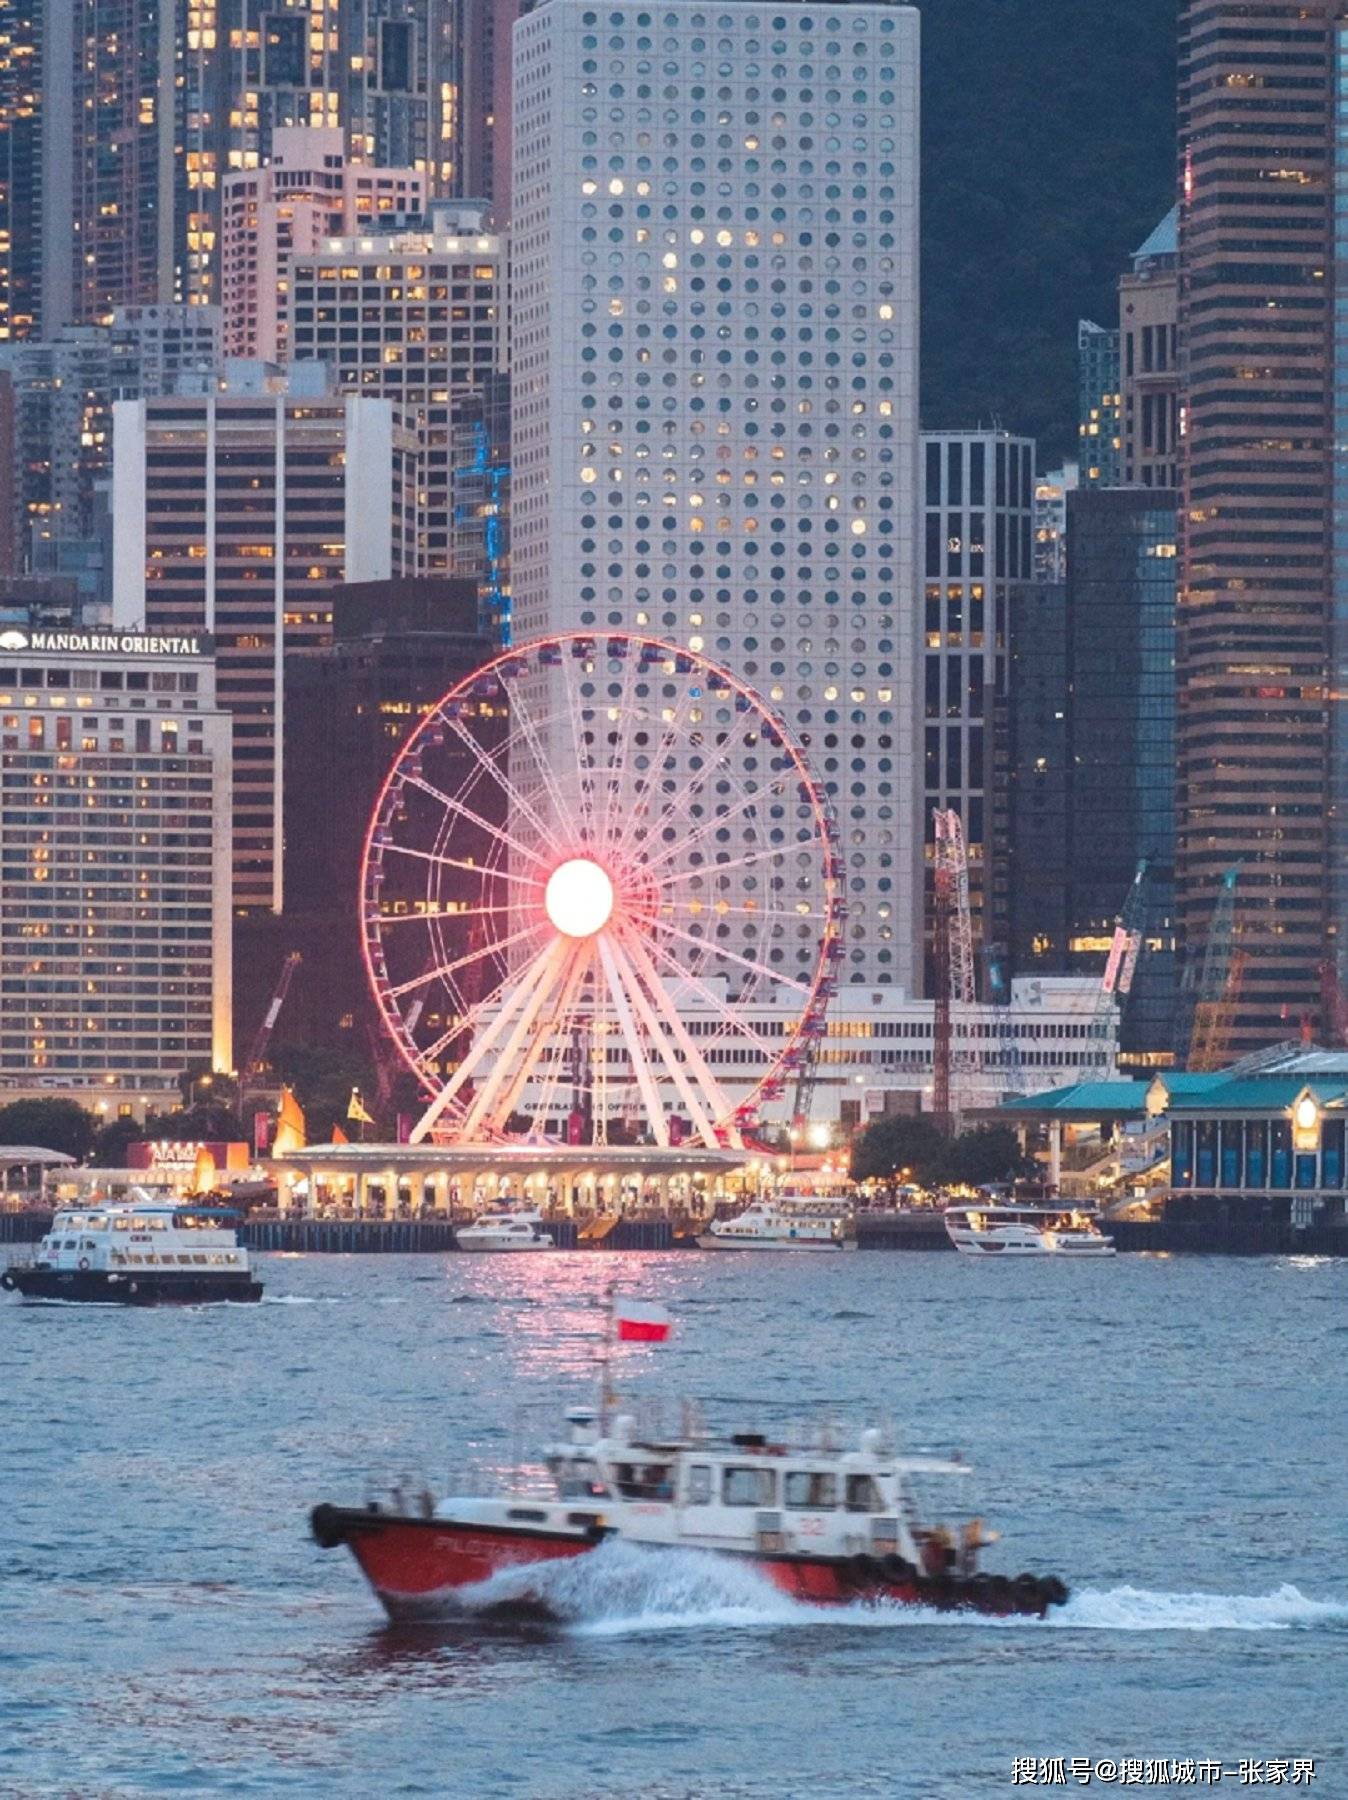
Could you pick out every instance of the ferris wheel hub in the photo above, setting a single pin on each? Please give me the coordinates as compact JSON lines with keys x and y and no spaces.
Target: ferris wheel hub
{"x":579,"y":897}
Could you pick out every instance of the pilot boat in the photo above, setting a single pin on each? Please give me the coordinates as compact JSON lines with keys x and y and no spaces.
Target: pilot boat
{"x":981,"y":1230}
{"x":824,"y":1522}
{"x":141,"y":1253}
{"x":504,"y":1231}
{"x":790,"y":1220}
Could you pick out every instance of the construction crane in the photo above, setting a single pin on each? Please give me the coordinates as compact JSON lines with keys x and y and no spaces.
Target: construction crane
{"x":1125,"y":947}
{"x":1219,"y":982}
{"x":952,"y":950}
{"x":257,"y":1055}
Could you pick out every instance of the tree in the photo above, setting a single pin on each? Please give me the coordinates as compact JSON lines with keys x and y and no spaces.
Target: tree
{"x":49,"y":1125}
{"x":991,"y":1153}
{"x":896,"y":1143}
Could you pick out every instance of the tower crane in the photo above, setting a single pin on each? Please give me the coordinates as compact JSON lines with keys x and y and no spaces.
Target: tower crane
{"x":1125,"y":947}
{"x":257,"y":1054}
{"x":1219,"y":982}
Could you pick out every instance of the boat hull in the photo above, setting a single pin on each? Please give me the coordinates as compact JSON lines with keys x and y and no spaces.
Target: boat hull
{"x":417,"y":1566}
{"x":708,"y":1241}
{"x":106,"y":1288}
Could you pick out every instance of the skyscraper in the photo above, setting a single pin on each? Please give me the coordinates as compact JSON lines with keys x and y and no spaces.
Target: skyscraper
{"x":1149,"y":361}
{"x":979,"y":556}
{"x":1099,"y":439}
{"x":1256,"y":607}
{"x":307,"y":192}
{"x":235,"y":513}
{"x":714,"y":353}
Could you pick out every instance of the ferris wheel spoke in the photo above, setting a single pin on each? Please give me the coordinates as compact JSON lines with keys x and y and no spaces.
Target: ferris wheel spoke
{"x":735,"y":1020}
{"x":716,"y":822}
{"x":724,"y":909}
{"x":636,"y":1049}
{"x":514,"y":798}
{"x":644,"y":784}
{"x":612,"y":771}
{"x":650,"y":1002}
{"x":443,"y":969}
{"x":471,"y":1017}
{"x":744,"y":962}
{"x":557,"y":1042}
{"x":517,"y":1000}
{"x":542,"y":758}
{"x":455,"y":862}
{"x":454,"y":805}
{"x":492,"y":1102}
{"x":672,"y":810}
{"x":445,"y":917}
{"x":768,"y":853}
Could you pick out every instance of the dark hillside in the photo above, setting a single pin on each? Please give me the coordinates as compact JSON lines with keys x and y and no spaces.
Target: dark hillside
{"x":1048,"y":155}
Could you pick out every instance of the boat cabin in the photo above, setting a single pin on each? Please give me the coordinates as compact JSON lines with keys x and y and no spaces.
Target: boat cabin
{"x":150,"y":1236}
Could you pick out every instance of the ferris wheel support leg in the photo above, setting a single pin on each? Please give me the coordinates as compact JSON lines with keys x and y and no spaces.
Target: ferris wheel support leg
{"x":693,"y":1056}
{"x":476,"y":1051}
{"x":635,"y":1048}
{"x":706,"y":1130}
{"x":554,"y":960}
{"x":566,"y":994}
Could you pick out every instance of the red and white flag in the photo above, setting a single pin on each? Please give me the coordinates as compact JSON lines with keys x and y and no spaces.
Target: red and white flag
{"x":640,"y":1321}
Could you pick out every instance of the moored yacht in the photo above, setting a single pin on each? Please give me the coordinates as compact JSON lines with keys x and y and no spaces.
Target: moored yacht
{"x":138,"y":1254}
{"x":825,"y":1522}
{"x":793,"y":1219}
{"x":504,"y":1231}
{"x":979,"y":1229}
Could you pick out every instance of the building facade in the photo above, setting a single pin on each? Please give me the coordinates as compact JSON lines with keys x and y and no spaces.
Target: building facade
{"x":1039,"y":693}
{"x":1121,"y":738}
{"x":1149,"y":387}
{"x":1050,"y":522}
{"x":978,"y":491}
{"x":115,"y":812}
{"x":713,"y":365}
{"x":1256,"y":311}
{"x":417,"y":317}
{"x":481,"y":502}
{"x":1099,"y":407}
{"x":56,"y":399}
{"x":235,"y":513}
{"x":307,"y":192}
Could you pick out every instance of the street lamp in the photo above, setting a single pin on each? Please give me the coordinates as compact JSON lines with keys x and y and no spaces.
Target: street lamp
{"x":201,"y":1081}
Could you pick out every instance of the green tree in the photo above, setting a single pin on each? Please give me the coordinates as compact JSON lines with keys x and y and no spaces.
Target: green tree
{"x":991,"y":1153}
{"x":897,"y":1142}
{"x":49,"y":1125}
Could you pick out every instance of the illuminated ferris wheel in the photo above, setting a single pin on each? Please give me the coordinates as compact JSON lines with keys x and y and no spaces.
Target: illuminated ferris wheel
{"x":601,"y":897}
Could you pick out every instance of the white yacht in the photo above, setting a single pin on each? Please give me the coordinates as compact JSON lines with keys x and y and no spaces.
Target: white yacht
{"x":504,"y":1231}
{"x":983,"y":1229}
{"x":794,"y":1219}
{"x":138,"y":1254}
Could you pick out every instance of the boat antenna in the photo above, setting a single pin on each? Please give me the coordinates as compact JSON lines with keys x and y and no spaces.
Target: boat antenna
{"x":607,"y":1398}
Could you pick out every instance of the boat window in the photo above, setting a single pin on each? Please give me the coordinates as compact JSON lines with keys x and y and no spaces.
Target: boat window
{"x":72,"y":1244}
{"x":811,"y":1490}
{"x":579,"y":1480}
{"x":748,"y":1487}
{"x":699,"y":1485}
{"x":198,"y":1258}
{"x":535,"y":1515}
{"x":862,"y":1494}
{"x":88,"y":1244}
{"x":645,"y":1481}
{"x":121,"y":1224}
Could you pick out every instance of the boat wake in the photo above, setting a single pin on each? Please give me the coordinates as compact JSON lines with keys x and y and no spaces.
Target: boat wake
{"x":620,"y":1590}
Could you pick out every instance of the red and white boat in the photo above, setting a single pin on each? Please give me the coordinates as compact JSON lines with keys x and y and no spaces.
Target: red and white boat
{"x":825,"y":1523}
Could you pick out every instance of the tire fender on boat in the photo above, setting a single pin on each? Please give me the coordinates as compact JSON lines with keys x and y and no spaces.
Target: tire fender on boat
{"x":84,"y":1262}
{"x":7,"y":1282}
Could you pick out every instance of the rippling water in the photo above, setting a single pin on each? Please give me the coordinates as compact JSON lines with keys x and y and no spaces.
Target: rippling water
{"x":1167,"y":1435}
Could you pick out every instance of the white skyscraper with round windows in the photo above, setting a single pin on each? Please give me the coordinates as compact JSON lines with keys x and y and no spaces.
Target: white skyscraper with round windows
{"x":714,"y":358}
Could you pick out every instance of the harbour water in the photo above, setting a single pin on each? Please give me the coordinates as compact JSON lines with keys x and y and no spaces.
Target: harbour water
{"x":1166,"y":1435}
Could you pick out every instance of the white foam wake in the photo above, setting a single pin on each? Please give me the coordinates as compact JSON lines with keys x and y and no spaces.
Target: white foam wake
{"x":620,"y":1589}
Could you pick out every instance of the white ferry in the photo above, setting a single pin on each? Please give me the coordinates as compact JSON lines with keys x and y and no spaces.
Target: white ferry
{"x":824,"y":1522}
{"x":504,"y":1231}
{"x":138,"y":1254}
{"x":794,"y":1219}
{"x":979,"y":1229}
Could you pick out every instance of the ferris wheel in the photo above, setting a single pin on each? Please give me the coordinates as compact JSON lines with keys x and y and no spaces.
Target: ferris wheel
{"x":602,"y":897}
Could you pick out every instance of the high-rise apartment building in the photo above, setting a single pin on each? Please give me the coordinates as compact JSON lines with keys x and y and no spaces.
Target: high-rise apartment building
{"x":1149,"y":360}
{"x":1257,"y":100}
{"x":56,"y":399}
{"x":713,"y":366}
{"x":235,"y":512}
{"x":1099,"y":426}
{"x":480,"y":493}
{"x":306,"y":193}
{"x":114,"y":863}
{"x":1050,"y":522}
{"x":979,"y":554}
{"x":418,"y":317}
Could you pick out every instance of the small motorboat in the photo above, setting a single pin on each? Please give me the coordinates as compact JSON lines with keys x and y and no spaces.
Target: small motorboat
{"x":145,"y":1252}
{"x":977,"y":1229}
{"x":824,"y":1520}
{"x":504,"y":1231}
